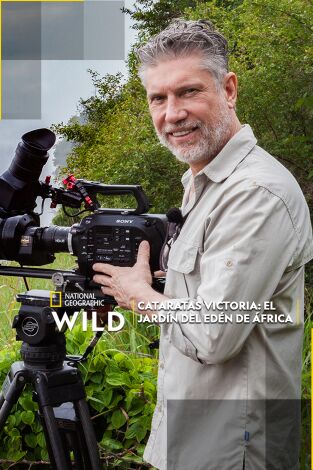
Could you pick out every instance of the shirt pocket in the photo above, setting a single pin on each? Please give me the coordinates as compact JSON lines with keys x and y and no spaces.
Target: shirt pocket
{"x":183,"y":256}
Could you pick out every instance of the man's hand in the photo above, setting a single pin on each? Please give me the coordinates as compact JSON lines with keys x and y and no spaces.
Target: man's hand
{"x":126,"y":284}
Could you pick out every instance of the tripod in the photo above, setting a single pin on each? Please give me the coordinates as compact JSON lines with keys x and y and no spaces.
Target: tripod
{"x":57,"y":387}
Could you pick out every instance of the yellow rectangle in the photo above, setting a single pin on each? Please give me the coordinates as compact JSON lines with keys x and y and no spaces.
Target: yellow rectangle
{"x":52,"y":293}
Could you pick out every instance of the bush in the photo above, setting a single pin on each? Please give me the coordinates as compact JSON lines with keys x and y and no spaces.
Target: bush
{"x":121,"y":393}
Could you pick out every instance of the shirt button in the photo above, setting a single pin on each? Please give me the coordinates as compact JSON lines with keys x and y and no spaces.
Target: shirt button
{"x":229,"y":263}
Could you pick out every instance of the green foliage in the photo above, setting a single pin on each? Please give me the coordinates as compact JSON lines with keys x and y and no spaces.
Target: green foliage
{"x":120,"y":388}
{"x":151,"y":17}
{"x":271,"y":52}
{"x":23,"y":436}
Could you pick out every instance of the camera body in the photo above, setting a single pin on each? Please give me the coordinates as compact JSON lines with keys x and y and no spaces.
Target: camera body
{"x":115,"y":238}
{"x":106,"y":235}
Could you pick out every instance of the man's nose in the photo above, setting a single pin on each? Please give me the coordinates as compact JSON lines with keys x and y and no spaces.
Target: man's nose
{"x":175,"y":111}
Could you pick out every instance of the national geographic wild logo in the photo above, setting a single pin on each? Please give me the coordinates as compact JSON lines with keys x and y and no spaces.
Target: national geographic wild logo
{"x":75,"y":299}
{"x":89,"y":303}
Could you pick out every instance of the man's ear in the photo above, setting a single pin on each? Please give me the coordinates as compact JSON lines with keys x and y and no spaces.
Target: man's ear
{"x":230,"y":86}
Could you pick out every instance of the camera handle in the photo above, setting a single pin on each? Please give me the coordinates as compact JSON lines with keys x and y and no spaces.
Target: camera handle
{"x":143,"y":204}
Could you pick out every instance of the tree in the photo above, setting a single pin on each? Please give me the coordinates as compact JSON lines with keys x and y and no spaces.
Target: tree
{"x":151,"y":17}
{"x":271,"y":52}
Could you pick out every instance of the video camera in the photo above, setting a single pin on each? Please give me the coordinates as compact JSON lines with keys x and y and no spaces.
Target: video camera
{"x":107,"y":235}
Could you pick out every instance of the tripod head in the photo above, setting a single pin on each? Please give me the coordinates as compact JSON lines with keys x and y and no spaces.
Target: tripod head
{"x":43,"y":345}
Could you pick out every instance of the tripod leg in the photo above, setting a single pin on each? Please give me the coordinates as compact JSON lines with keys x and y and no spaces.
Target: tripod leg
{"x":58,"y":455}
{"x":10,"y":396}
{"x":89,"y":434}
{"x":78,"y":446}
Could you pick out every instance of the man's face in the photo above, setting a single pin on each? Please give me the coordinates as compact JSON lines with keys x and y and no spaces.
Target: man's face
{"x":190,"y":114}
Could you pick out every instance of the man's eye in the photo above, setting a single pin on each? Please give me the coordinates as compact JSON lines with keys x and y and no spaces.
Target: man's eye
{"x":190,"y":91}
{"x":157,"y":99}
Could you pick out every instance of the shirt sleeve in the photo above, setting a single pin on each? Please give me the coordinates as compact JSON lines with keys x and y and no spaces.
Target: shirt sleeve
{"x":249,"y":241}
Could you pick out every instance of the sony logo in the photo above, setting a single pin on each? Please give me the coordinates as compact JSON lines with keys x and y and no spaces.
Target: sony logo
{"x":125,"y":221}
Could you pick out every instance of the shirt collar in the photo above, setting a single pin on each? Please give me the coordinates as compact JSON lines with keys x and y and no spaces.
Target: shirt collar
{"x":236,"y":149}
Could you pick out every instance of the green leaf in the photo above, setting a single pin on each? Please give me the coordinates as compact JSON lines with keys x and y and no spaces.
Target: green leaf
{"x":141,"y":433}
{"x":119,"y":357}
{"x":31,"y":440}
{"x":140,"y":449}
{"x":136,"y":430}
{"x":14,"y":433}
{"x":117,"y":379}
{"x":118,"y":419}
{"x":11,"y":421}
{"x":44,"y":454}
{"x":36,"y":426}
{"x":137,"y":406}
{"x":27,"y":417}
{"x":116,"y":399}
{"x":18,"y":455}
{"x":97,"y":377}
{"x":104,"y":396}
{"x":96,"y":404}
{"x":28,"y":404}
{"x":131,"y":432}
{"x":149,"y":387}
{"x":41,"y":440}
{"x":133,"y":458}
{"x":99,"y":362}
{"x":109,"y":443}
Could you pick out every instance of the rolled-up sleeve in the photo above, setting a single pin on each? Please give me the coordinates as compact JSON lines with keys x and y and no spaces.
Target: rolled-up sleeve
{"x":248,"y":243}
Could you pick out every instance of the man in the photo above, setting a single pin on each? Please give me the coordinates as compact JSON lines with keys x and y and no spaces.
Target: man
{"x":228,"y":391}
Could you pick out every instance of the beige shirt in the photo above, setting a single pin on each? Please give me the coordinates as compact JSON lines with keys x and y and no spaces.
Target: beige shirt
{"x":229,"y":391}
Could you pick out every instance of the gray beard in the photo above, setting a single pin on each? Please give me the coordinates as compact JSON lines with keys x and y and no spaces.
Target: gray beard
{"x":209,"y":144}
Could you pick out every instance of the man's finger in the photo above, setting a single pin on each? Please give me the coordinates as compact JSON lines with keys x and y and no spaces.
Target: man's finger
{"x":102,"y":279}
{"x":107,"y":291}
{"x":159,"y":273}
{"x":143,"y":253}
{"x":104,"y":268}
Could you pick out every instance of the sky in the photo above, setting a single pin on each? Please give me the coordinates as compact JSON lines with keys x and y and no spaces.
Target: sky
{"x":63,"y":83}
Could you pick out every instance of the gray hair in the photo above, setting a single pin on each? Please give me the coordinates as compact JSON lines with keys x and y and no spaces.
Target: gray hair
{"x":182,"y":38}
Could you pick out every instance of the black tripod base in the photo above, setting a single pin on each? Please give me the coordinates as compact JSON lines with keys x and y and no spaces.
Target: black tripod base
{"x":63,"y":410}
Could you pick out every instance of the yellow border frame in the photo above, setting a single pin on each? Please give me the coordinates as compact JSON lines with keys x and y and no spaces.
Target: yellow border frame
{"x":52,"y":305}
